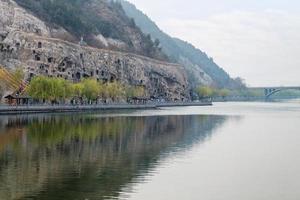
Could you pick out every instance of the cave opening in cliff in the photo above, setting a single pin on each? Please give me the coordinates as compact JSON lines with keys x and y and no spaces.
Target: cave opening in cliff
{"x":39,"y":45}
{"x":78,"y":76}
{"x":31,"y":75}
{"x":37,"y":58}
{"x":112,"y":79}
{"x":69,"y":64}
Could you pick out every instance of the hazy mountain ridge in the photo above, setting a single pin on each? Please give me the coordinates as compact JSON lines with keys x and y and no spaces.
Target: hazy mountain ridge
{"x":201,"y":68}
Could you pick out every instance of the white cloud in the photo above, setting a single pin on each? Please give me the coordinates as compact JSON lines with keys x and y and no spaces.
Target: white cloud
{"x":263,"y":47}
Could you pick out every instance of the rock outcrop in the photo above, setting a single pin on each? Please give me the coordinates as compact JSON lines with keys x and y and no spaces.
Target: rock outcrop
{"x":26,"y":41}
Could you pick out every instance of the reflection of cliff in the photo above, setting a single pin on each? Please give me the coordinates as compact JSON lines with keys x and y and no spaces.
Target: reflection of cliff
{"x":83,"y":157}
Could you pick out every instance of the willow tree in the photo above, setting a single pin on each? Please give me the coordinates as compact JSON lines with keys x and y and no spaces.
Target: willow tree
{"x":60,"y":89}
{"x":103,"y":92}
{"x":205,"y":92}
{"x":134,"y":91}
{"x":139,"y":91}
{"x":90,"y":89}
{"x":77,"y":89}
{"x":115,"y":90}
{"x":224,"y":93}
{"x":39,"y":88}
{"x":49,"y":89}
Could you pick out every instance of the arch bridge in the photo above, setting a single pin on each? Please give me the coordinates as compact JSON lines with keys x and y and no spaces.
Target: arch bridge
{"x":269,"y":91}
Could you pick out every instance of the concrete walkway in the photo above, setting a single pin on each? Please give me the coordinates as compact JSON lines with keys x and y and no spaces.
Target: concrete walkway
{"x":7,"y":110}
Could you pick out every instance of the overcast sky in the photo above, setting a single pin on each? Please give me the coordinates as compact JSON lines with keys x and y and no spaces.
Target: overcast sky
{"x":258,"y":40}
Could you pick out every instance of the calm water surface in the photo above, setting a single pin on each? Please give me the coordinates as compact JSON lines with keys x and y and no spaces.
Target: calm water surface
{"x":231,"y":151}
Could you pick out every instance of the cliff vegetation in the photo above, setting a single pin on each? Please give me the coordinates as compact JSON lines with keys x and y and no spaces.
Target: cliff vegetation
{"x":100,"y":23}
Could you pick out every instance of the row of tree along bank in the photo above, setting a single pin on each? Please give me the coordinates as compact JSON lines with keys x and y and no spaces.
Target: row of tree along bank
{"x":207,"y":92}
{"x":43,"y":89}
{"x":51,"y":90}
{"x":58,"y":90}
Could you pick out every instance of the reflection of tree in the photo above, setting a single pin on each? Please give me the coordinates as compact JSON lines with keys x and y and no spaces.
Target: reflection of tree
{"x":64,"y":129}
{"x":11,"y":132}
{"x":84,"y":157}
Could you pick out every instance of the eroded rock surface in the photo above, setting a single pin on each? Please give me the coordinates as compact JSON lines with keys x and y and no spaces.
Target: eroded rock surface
{"x":28,"y":42}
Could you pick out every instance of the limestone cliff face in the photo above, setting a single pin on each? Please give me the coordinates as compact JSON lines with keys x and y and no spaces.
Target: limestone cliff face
{"x":28,"y":42}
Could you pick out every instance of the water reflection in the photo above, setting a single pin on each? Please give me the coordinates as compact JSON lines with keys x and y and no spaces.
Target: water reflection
{"x":87,"y":156}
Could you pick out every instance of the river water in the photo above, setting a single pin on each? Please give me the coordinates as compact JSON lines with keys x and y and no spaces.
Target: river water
{"x":231,"y":151}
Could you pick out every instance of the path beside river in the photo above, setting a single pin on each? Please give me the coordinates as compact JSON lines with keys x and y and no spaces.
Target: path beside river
{"x":4,"y":110}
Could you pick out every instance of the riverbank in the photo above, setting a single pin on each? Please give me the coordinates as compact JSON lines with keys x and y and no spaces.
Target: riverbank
{"x":9,"y":110}
{"x":253,"y":99}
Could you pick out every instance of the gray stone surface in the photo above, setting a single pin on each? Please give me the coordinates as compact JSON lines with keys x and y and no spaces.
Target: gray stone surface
{"x":27,"y":42}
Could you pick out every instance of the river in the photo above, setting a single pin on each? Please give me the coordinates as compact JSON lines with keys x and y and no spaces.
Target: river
{"x":230,"y":151}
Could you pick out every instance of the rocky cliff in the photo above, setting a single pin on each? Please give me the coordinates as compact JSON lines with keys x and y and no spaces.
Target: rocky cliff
{"x":29,"y":42}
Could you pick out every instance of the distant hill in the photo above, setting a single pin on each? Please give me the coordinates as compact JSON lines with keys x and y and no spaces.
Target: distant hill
{"x":201,"y":69}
